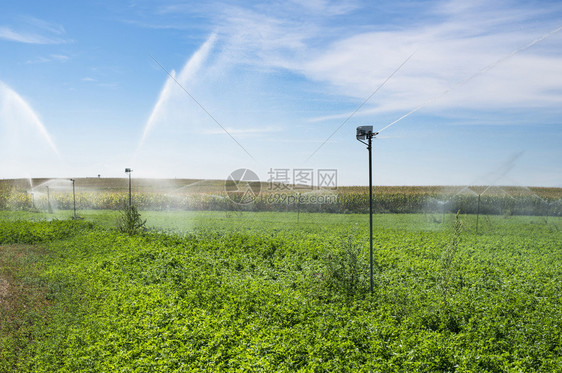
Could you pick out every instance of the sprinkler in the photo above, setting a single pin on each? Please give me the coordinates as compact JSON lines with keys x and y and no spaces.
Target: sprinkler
{"x":128,"y":171}
{"x":298,"y":207}
{"x":49,"y":208}
{"x":477,"y":213}
{"x":366,"y":133}
{"x":74,"y":197}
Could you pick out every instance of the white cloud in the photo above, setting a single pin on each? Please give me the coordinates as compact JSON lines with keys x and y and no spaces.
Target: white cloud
{"x":456,"y":45}
{"x":326,"y":7}
{"x":34,"y":31}
{"x":258,"y":39}
{"x":7,"y":33}
{"x":459,"y":71}
{"x":243,"y":132}
{"x":50,"y":58}
{"x":459,"y":63}
{"x":50,"y":27}
{"x":59,"y":57}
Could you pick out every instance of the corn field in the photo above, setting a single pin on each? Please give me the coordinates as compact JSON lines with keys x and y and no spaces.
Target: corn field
{"x":431,"y":199}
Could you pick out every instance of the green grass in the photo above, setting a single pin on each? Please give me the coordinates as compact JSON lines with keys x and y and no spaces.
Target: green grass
{"x":185,"y":221}
{"x":260,"y":291}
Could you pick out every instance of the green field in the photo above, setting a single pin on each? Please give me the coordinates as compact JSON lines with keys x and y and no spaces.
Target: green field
{"x":267,"y":291}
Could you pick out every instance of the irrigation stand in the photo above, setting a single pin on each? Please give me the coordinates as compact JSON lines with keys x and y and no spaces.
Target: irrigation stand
{"x":49,"y":208}
{"x":298,"y":207}
{"x":128,"y":171}
{"x":74,"y":198}
{"x":477,"y":213}
{"x":366,"y":133}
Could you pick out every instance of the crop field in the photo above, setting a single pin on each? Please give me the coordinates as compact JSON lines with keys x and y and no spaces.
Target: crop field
{"x":52,"y":195}
{"x":281,"y":186}
{"x":279,"y":291}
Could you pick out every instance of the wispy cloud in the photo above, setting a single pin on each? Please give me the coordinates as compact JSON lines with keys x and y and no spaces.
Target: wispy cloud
{"x":243,"y":132}
{"x":314,"y":62}
{"x":454,"y":42}
{"x":50,"y":58}
{"x":9,"y":34}
{"x":32,"y":30}
{"x":326,"y":7}
{"x":99,"y":83}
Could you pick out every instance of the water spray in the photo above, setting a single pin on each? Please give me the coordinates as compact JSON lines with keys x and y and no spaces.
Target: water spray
{"x":12,"y":101}
{"x":29,"y":192}
{"x":366,"y":133}
{"x":173,"y":78}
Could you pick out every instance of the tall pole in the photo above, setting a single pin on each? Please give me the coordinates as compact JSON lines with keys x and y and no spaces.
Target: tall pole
{"x":128,"y":171}
{"x":74,"y":196}
{"x":130,"y":197}
{"x":477,"y":214}
{"x":366,"y":133}
{"x":369,"y":147}
{"x":298,"y":206}
{"x":49,"y":209}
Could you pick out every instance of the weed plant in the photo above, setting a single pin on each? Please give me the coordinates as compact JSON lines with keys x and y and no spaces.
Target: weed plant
{"x":130,"y":221}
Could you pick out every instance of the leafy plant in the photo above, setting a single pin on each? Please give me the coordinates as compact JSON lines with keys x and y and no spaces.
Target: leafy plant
{"x":344,"y":270}
{"x":272,"y":295}
{"x":130,"y":221}
{"x":448,"y":257}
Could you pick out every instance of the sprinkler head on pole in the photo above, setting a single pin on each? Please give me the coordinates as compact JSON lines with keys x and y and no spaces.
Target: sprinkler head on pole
{"x":365,"y":132}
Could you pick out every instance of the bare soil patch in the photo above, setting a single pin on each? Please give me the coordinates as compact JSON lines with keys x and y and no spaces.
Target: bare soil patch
{"x":3,"y":288}
{"x":22,"y":297}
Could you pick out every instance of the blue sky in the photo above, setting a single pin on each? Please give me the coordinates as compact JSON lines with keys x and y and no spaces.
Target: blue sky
{"x":92,"y":87}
